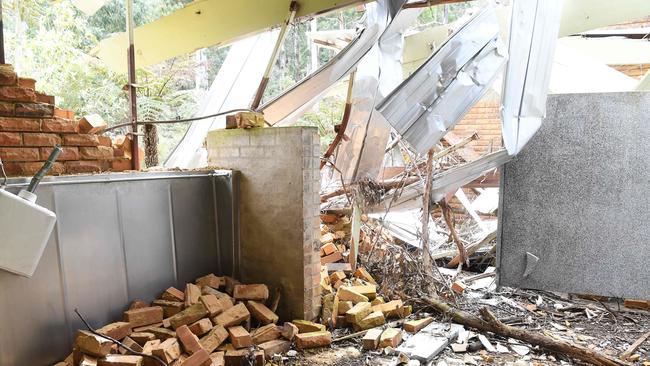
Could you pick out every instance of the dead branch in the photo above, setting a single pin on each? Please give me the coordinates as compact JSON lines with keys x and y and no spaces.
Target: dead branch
{"x":489,"y":323}
{"x":447,"y":214}
{"x":471,"y":249}
{"x":344,"y":122}
{"x":385,"y":185}
{"x":456,"y":146}
{"x":630,"y":350}
{"x":426,"y":205}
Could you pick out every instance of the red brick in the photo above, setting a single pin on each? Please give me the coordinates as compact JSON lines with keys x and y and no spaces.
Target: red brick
{"x":120,"y":164}
{"x":7,"y":75}
{"x":239,"y":337}
{"x":85,"y":166}
{"x":80,"y":140}
{"x":29,"y":169}
{"x":189,"y":341}
{"x":19,"y":154}
{"x":34,"y":110}
{"x":59,"y":125}
{"x":6,"y":109}
{"x":313,"y":339}
{"x":96,"y":153}
{"x":143,"y":316}
{"x":18,"y":94}
{"x":27,"y":83}
{"x":19,"y":124}
{"x":118,"y":153}
{"x":63,"y":113}
{"x":255,"y":292}
{"x":105,"y":141}
{"x":201,"y":327}
{"x":200,"y":358}
{"x":10,"y":139}
{"x":68,"y":153}
{"x":44,"y":98}
{"x":117,"y":330}
{"x":41,"y":139}
{"x":92,"y":123}
{"x":173,"y":294}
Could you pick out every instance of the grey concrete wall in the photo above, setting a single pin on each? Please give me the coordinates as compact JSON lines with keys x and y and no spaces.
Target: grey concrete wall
{"x":279,"y":195}
{"x":578,"y":197}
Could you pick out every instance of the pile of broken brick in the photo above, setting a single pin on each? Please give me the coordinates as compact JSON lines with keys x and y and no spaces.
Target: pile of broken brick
{"x":353,"y":302}
{"x":216,"y":321}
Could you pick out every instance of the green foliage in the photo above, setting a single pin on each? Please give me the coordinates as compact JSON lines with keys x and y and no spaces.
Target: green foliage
{"x":52,"y":41}
{"x":327,"y":113}
{"x":110,"y":18}
{"x":443,"y":14}
{"x":49,"y":43}
{"x":294,"y":60}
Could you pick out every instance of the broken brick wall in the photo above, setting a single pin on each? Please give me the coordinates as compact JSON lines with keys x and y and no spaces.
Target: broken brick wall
{"x":30,"y":126}
{"x":484,"y":119}
{"x":636,"y":71}
{"x":278,"y":210}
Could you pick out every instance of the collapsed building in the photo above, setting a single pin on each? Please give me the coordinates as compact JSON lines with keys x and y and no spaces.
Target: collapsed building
{"x":481,"y":167}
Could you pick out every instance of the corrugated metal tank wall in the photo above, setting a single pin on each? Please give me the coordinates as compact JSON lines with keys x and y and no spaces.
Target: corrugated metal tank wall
{"x":118,"y":237}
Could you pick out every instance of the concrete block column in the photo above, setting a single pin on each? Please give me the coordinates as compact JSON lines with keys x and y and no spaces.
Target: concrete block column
{"x":279,"y":208}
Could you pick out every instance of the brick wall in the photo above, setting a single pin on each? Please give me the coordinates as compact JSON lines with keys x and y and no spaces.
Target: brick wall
{"x":634,"y":71}
{"x":30,"y":126}
{"x":484,"y":119}
{"x":279,"y":206}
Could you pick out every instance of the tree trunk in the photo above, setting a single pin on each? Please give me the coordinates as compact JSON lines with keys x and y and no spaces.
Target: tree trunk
{"x":489,"y":323}
{"x":150,"y":145}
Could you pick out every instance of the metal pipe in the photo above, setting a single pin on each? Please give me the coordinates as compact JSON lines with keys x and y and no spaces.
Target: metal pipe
{"x":44,"y":169}
{"x":293,"y":8}
{"x":2,"y":37}
{"x":4,"y":175}
{"x":135,"y":152}
{"x":180,"y":120}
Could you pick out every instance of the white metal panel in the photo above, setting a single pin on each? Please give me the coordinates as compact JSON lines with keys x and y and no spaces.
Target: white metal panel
{"x":233,"y":87}
{"x":437,"y":95}
{"x":533,"y":33}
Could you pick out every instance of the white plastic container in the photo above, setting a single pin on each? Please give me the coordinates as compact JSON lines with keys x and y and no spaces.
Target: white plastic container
{"x":25,"y":228}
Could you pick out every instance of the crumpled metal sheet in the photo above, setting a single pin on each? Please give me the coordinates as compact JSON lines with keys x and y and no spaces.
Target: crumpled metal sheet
{"x":233,"y":87}
{"x":534,"y":29}
{"x":456,"y":177}
{"x":443,"y":183}
{"x":378,"y":74}
{"x":293,"y":103}
{"x":437,"y":95}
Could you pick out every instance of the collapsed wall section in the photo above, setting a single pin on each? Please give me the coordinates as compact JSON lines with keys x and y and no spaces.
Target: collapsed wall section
{"x":31,"y":125}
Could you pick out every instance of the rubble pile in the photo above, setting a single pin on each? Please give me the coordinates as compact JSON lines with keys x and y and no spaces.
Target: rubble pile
{"x":215,"y":321}
{"x":389,"y":310}
{"x":335,"y":234}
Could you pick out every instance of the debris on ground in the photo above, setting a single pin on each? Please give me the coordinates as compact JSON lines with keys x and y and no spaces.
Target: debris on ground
{"x":214,"y":321}
{"x":549,"y":328}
